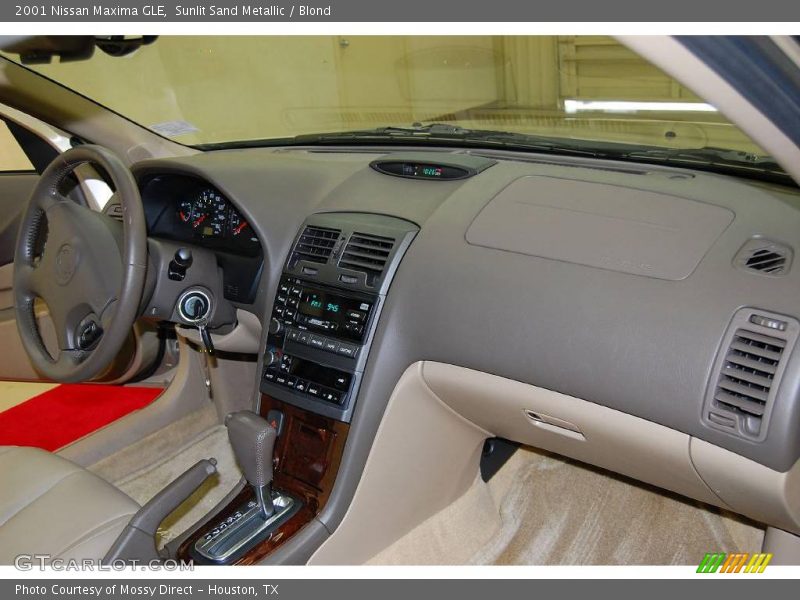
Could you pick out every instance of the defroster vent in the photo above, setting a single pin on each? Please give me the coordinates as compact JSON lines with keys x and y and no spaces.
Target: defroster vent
{"x":747,"y":374}
{"x":764,"y":257}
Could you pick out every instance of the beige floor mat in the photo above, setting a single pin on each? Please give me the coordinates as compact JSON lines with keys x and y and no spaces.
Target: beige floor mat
{"x":153,"y":448}
{"x":146,"y":483}
{"x":543,"y":510}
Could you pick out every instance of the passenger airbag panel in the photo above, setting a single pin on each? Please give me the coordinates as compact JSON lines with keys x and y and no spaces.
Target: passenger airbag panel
{"x":600,"y":225}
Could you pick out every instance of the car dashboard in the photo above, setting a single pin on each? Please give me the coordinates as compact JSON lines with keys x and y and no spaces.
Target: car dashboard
{"x":663,"y":294}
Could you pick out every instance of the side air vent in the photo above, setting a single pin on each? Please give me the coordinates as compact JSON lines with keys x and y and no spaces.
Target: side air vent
{"x":367,"y":254}
{"x":748,"y":372}
{"x":315,"y":244}
{"x":764,"y":257}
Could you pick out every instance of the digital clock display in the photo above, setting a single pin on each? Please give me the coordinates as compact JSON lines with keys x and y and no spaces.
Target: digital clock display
{"x":426,"y":171}
{"x":421,"y":170}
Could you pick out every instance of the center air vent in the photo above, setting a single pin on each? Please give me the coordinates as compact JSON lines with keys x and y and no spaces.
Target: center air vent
{"x":315,"y":244}
{"x":765,"y":257}
{"x":748,"y":372}
{"x":367,"y":254}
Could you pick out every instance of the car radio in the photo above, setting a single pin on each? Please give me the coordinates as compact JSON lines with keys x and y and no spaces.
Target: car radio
{"x":325,"y":308}
{"x":315,"y":339}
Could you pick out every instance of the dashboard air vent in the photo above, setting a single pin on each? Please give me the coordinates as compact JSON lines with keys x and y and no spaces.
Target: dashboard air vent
{"x":748,"y":372}
{"x":315,"y":244}
{"x":367,"y":254}
{"x":765,"y":257}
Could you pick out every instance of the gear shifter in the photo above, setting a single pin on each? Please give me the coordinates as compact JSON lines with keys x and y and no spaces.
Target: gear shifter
{"x":253,"y":440}
{"x":233,"y":534}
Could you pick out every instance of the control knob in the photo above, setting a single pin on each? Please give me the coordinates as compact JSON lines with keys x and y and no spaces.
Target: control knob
{"x":275,"y":326}
{"x":271,"y":357}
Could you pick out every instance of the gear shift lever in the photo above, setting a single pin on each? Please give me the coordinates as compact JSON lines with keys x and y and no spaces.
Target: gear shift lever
{"x":253,"y":440}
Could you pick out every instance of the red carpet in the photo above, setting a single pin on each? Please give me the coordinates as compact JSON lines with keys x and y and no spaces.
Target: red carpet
{"x":62,"y":415}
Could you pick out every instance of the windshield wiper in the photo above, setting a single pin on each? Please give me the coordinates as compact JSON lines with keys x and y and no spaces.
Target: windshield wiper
{"x":444,"y":133}
{"x":708,"y":155}
{"x":717,"y":160}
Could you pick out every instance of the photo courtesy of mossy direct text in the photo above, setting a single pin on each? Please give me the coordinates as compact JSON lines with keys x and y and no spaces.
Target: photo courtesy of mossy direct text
{"x":152,"y":591}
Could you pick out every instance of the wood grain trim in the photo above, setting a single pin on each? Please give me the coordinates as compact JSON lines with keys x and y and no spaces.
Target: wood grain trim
{"x":307,"y":457}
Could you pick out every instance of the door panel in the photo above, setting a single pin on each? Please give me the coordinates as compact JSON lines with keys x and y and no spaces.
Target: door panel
{"x":15,"y":188}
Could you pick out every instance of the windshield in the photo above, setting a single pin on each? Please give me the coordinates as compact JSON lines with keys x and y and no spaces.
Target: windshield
{"x":207,"y":90}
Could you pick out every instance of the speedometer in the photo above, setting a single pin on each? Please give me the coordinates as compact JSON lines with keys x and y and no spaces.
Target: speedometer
{"x":210,"y":214}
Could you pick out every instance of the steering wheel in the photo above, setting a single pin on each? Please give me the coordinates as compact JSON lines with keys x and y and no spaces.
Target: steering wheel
{"x":87,"y":267}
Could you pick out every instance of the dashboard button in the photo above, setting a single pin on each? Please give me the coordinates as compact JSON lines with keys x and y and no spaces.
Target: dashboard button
{"x":290,"y":313}
{"x":296,"y":291}
{"x":317,"y":341}
{"x":356,"y":328}
{"x":331,"y":345}
{"x":301,"y":386}
{"x":349,"y":350}
{"x":314,"y":389}
{"x":281,"y":379}
{"x":342,"y":382}
{"x":283,"y":288}
{"x":304,"y":337}
{"x":293,"y":302}
{"x":293,"y":335}
{"x":356,"y":315}
{"x":292,"y":382}
{"x":329,"y":395}
{"x":278,"y":310}
{"x":281,"y":299}
{"x":270,"y":374}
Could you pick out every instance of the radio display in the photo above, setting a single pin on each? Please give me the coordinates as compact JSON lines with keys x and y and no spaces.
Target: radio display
{"x":333,"y":314}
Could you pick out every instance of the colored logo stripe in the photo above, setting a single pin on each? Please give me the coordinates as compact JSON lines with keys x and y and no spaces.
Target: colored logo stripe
{"x":711,"y":562}
{"x":758,"y":563}
{"x":734,"y":563}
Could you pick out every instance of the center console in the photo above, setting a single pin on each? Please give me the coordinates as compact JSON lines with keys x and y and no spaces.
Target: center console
{"x":326,"y":308}
{"x":324,"y":315}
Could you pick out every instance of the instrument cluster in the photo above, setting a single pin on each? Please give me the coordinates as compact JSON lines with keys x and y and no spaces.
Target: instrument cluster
{"x":188,"y":209}
{"x":208,"y":214}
